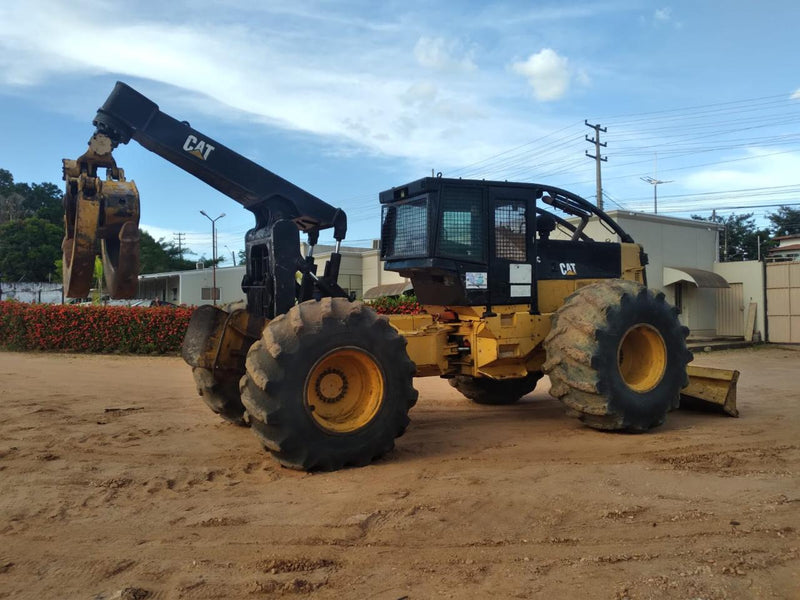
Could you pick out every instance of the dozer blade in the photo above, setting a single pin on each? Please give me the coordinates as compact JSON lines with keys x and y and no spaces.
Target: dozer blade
{"x":711,"y":389}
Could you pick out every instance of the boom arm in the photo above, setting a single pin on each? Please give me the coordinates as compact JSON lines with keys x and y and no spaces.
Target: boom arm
{"x":109,"y":210}
{"x":127,"y":115}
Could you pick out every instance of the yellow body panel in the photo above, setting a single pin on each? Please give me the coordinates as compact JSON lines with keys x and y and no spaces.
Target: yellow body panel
{"x":506,"y":345}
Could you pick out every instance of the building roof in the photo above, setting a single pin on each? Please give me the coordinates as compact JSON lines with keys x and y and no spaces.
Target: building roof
{"x":186,"y":272}
{"x":639,"y":216}
{"x":784,"y":248}
{"x":699,"y":277}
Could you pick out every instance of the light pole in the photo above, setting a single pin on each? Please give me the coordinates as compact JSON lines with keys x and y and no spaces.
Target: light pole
{"x":213,"y":254}
{"x":655,"y":183}
{"x":233,"y":256}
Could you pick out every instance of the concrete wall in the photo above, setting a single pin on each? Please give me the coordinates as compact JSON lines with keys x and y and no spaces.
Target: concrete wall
{"x":44,"y":292}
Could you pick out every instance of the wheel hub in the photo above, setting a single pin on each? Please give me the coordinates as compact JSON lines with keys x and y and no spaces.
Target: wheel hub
{"x":344,"y":390}
{"x":642,"y":357}
{"x":331,"y":385}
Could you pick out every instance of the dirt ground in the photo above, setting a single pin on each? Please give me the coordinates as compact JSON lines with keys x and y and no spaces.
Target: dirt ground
{"x":117,"y":482}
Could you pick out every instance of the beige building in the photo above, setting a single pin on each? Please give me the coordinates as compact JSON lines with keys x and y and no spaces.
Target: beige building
{"x":361,"y":268}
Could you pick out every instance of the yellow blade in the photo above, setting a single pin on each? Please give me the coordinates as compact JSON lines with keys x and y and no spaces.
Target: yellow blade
{"x":711,"y":388}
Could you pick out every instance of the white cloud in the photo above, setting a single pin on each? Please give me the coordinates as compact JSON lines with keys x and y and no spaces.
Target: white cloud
{"x":353,"y":90}
{"x":796,"y":95}
{"x":547,"y":72}
{"x":663,"y":14}
{"x":441,"y":54}
{"x":765,"y":167}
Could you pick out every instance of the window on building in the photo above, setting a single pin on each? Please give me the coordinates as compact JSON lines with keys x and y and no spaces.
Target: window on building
{"x":205,"y":293}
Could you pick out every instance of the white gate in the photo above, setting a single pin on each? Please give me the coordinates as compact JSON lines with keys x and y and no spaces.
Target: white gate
{"x":730,"y":311}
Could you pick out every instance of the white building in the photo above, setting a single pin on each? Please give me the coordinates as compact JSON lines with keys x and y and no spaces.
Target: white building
{"x":715,"y":299}
{"x":360,"y":270}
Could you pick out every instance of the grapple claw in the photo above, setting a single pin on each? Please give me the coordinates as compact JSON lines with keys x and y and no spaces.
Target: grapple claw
{"x":107,"y":210}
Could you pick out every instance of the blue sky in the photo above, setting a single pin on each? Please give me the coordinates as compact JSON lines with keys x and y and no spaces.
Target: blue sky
{"x":346,"y":99}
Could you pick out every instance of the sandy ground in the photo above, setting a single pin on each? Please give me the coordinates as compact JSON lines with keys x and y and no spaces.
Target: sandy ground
{"x":117,"y":482}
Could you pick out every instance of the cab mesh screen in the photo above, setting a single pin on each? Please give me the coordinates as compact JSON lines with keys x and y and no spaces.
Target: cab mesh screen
{"x":462,"y":228}
{"x":404,"y":229}
{"x":509,"y":230}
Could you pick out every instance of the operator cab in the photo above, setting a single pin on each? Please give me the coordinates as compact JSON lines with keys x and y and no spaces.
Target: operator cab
{"x":474,"y":242}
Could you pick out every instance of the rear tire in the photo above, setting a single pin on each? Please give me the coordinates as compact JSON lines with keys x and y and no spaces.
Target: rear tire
{"x":328,"y":385}
{"x":222,"y":395}
{"x":616,"y":356}
{"x":495,"y":392}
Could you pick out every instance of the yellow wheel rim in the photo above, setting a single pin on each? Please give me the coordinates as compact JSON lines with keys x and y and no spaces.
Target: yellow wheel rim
{"x":344,"y":390}
{"x":642,"y":358}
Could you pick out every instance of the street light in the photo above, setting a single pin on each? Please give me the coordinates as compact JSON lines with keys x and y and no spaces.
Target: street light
{"x":213,"y":254}
{"x":655,"y":183}
{"x":233,"y":256}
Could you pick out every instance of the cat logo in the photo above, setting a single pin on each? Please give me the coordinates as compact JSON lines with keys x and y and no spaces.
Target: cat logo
{"x":198,"y":148}
{"x":568,"y":269}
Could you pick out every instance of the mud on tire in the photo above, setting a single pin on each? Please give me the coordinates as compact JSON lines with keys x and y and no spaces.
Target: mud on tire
{"x":328,"y":385}
{"x":483,"y":390}
{"x":616,"y":356}
{"x":221,"y":395}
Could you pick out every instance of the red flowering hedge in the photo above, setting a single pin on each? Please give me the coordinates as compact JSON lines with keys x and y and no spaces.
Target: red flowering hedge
{"x":98,"y":329}
{"x":397,"y":305}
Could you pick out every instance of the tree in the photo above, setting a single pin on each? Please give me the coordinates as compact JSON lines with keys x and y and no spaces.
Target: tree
{"x":785,"y":221}
{"x":44,"y":200}
{"x":160,"y":256}
{"x":12,"y":207}
{"x":29,"y":249}
{"x":740,"y":238}
{"x":22,"y":200}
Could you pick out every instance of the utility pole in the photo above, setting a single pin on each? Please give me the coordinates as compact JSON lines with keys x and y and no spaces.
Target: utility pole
{"x":180,"y":237}
{"x":598,"y":159}
{"x":214,"y":254}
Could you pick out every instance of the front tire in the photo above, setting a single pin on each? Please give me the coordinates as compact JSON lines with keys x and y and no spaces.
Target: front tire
{"x":617,"y":356}
{"x":328,"y":385}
